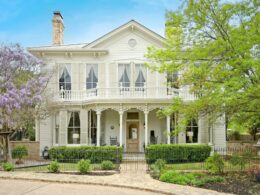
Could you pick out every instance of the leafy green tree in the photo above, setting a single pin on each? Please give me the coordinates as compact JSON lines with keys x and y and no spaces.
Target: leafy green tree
{"x":214,"y":46}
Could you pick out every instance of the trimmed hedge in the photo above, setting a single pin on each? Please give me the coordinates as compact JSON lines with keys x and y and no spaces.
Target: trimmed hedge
{"x":177,"y":153}
{"x":93,"y":153}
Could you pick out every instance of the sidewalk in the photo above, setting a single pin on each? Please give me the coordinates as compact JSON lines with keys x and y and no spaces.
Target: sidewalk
{"x":126,"y":179}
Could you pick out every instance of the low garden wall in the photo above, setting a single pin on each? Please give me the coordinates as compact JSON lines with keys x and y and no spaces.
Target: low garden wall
{"x":32,"y":147}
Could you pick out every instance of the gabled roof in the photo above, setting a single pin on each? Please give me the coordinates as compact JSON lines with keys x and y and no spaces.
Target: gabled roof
{"x":88,"y":47}
{"x":131,"y":24}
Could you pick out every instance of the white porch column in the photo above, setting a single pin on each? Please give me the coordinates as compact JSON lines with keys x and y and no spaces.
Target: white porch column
{"x":168,"y":127}
{"x":98,"y":127}
{"x":63,"y":125}
{"x":146,"y":127}
{"x":121,"y":127}
{"x":83,"y":126}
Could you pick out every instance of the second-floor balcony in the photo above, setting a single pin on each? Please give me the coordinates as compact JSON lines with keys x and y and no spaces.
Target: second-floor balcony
{"x":122,"y":93}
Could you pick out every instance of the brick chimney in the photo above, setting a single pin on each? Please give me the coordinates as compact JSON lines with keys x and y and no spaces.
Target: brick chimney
{"x":57,"y":28}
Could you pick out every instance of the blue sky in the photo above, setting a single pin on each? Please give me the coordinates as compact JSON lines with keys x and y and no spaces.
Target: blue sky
{"x":28,"y":22}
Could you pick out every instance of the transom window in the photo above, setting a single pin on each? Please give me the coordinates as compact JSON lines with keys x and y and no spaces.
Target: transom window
{"x":65,"y":77}
{"x":92,"y":76}
{"x":74,"y":128}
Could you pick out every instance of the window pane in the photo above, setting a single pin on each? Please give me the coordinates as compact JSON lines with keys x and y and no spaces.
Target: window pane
{"x":124,"y":74}
{"x":140,"y":75}
{"x":92,"y":76}
{"x":172,"y":79}
{"x":65,"y":77}
{"x":192,"y":132}
{"x":74,"y":128}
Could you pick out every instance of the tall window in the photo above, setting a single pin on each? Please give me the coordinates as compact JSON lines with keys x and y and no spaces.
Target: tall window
{"x":74,"y":128}
{"x":140,"y":75}
{"x":57,"y":129}
{"x":92,"y":76}
{"x":192,"y":132}
{"x":92,"y":126}
{"x":65,"y":77}
{"x":172,"y":79}
{"x":173,"y":126}
{"x":124,"y":74}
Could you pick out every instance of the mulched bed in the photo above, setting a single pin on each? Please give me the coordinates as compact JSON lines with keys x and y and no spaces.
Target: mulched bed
{"x":236,"y":183}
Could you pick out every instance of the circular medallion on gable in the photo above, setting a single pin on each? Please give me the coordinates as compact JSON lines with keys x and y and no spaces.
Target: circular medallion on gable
{"x":132,"y":42}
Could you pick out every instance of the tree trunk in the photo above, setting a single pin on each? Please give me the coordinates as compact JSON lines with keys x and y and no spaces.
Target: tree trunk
{"x":8,"y":147}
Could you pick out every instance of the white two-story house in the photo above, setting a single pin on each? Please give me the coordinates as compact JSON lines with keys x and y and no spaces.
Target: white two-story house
{"x":103,"y":94}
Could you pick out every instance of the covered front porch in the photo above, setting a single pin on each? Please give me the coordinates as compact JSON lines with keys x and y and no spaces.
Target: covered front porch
{"x":133,"y":129}
{"x":128,"y":125}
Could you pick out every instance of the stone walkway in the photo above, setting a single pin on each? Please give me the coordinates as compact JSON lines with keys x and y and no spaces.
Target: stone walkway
{"x":138,"y":179}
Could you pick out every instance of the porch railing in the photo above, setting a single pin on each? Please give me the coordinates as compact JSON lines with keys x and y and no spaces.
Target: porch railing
{"x":122,"y":92}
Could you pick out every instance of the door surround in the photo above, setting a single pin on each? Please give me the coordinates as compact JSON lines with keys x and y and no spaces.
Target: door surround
{"x":132,"y":135}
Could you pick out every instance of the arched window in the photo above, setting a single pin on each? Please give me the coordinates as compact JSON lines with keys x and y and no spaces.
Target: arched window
{"x":74,"y":128}
{"x":65,"y":77}
{"x":92,"y":76}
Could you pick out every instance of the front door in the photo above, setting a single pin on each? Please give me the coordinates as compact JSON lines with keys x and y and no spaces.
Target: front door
{"x":132,"y":137}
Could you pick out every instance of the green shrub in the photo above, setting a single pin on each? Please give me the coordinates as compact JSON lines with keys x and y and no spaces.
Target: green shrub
{"x":160,"y":164}
{"x":54,"y":167}
{"x":173,"y":153}
{"x":241,"y":159}
{"x":19,"y":152}
{"x":8,"y":166}
{"x":107,"y":165}
{"x":215,"y":164}
{"x":238,"y":160}
{"x":177,"y":178}
{"x":155,"y":172}
{"x":84,"y":166}
{"x":93,"y":153}
{"x":195,"y":179}
{"x":208,"y":179}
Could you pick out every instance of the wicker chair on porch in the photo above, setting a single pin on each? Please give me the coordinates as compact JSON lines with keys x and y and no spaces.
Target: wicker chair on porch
{"x":113,"y":141}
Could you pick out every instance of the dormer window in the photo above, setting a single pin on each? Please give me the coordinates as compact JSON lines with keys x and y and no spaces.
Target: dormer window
{"x":65,"y":77}
{"x":92,"y":76}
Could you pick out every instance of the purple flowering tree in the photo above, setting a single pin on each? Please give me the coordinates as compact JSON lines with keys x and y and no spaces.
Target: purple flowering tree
{"x":22,"y":83}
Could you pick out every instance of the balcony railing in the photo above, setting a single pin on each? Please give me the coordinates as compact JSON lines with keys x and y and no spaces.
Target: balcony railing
{"x":122,"y":92}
